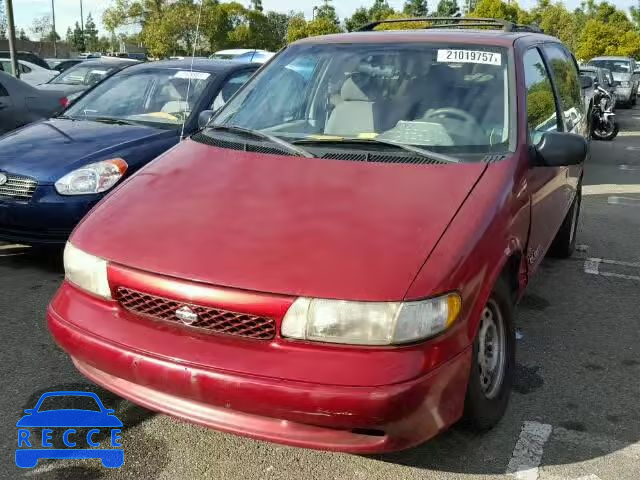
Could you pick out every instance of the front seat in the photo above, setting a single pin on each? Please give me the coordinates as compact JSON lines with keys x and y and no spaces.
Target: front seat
{"x":358,"y":112}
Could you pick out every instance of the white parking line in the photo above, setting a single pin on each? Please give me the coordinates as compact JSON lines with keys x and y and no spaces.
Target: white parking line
{"x":528,"y":451}
{"x":592,"y":267}
{"x":629,"y":167}
{"x":610,"y":189}
{"x":628,"y":201}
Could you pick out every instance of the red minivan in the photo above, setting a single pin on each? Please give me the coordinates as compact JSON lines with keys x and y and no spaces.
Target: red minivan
{"x":333,"y":262}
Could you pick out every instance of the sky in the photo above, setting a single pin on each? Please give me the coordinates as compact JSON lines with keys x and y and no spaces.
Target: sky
{"x":68,"y":11}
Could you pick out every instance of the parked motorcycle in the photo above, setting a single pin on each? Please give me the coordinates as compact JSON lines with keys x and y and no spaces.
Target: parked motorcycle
{"x":603,"y":120}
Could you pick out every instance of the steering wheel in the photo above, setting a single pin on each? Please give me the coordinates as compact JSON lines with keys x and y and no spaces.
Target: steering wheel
{"x":455,"y":114}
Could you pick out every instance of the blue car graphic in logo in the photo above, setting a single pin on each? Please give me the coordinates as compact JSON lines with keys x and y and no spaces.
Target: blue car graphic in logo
{"x":89,"y":425}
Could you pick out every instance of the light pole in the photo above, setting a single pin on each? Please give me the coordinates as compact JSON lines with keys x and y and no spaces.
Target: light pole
{"x":53,"y":33}
{"x":82,"y":25}
{"x":11,"y":33}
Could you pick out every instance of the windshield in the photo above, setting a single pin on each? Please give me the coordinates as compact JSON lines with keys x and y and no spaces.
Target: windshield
{"x":83,"y":75}
{"x":161,"y":97}
{"x":451,"y":98}
{"x":616,"y":66}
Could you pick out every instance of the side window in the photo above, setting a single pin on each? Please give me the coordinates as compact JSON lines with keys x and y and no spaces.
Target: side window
{"x":3,"y":91}
{"x":567,"y":83}
{"x":541,"y":106}
{"x":233,"y":83}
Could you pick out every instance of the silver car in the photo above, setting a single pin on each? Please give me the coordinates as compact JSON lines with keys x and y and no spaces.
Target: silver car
{"x":626,"y":74}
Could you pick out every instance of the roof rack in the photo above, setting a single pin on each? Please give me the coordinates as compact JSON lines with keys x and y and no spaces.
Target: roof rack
{"x":456,"y":22}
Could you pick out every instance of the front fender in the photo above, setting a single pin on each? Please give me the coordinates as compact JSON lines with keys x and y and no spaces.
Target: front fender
{"x":490,"y":228}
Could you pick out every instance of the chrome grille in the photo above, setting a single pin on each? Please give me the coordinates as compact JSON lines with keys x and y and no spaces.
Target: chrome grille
{"x":18,"y":187}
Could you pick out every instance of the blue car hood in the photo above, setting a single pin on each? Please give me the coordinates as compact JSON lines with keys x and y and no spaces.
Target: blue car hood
{"x":50,"y":149}
{"x":69,"y":418}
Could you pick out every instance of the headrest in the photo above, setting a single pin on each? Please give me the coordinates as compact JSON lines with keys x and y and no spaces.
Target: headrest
{"x":358,"y":88}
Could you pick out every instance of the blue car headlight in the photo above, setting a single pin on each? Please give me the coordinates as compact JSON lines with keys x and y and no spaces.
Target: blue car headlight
{"x":93,"y":178}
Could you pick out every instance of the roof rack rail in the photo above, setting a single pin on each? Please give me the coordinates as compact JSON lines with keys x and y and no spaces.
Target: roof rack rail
{"x":455,"y":22}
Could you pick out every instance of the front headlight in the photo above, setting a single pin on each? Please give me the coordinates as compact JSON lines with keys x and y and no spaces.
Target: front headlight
{"x":86,"y":271}
{"x":369,"y":323}
{"x":93,"y":178}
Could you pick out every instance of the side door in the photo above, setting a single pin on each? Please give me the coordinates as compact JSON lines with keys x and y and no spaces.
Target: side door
{"x":546,"y":184}
{"x":565,"y":77}
{"x":8,"y":114}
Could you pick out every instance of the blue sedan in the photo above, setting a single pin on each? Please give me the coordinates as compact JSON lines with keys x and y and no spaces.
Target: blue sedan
{"x":53,"y":172}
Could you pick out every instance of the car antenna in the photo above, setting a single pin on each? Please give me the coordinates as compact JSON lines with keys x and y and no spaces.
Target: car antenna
{"x":193,"y":56}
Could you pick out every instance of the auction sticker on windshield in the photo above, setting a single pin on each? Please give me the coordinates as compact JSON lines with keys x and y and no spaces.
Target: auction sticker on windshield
{"x":192,"y":75}
{"x":469,"y":56}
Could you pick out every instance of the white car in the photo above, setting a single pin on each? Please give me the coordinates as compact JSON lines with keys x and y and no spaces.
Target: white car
{"x":29,"y":72}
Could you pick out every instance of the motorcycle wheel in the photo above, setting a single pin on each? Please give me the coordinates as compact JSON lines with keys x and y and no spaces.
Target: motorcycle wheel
{"x":608,"y":133}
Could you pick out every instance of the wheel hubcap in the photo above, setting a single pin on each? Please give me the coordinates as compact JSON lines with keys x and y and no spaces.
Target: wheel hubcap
{"x":491,"y":350}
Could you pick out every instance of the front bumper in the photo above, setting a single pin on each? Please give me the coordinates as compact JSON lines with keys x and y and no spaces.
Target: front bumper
{"x":339,"y":415}
{"x":46,"y":219}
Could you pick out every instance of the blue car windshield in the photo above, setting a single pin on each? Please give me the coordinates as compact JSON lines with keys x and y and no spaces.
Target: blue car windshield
{"x":66,"y":402}
{"x":159,"y":97}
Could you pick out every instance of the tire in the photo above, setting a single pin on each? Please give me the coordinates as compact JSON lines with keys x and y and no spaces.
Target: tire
{"x":564,"y":244}
{"x":487,"y":400}
{"x":609,"y":136}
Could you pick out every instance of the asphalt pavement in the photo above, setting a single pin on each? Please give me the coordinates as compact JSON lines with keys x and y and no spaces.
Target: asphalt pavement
{"x":574,"y":415}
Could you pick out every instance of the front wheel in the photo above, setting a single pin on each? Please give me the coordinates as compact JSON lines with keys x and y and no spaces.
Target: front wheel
{"x":493,"y":362}
{"x":606,"y":132}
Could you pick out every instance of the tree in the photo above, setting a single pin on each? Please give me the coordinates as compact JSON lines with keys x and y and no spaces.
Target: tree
{"x":90,"y":34}
{"x":257,"y":5}
{"x":22,"y":35}
{"x":447,"y":8}
{"x":3,"y":22}
{"x":634,"y":10}
{"x":416,"y":8}
{"x":359,"y":18}
{"x":68,"y":37}
{"x":328,"y":11}
{"x":77,"y":40}
{"x":380,"y":10}
{"x":495,"y":9}
{"x":300,"y":28}
{"x":41,"y":28}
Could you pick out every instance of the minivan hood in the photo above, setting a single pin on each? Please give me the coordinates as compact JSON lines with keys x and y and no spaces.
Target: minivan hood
{"x":49,"y":149}
{"x":279,"y":224}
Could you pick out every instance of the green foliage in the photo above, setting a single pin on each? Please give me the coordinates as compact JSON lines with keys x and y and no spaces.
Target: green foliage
{"x":3,"y":22}
{"x":497,"y":9}
{"x":447,"y":8}
{"x":416,"y":8}
{"x":359,"y":18}
{"x":22,"y":35}
{"x":77,"y":39}
{"x":328,"y":11}
{"x":300,"y":28}
{"x":91,"y":35}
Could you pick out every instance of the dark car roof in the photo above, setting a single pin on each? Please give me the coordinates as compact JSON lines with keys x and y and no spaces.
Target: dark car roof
{"x":484,"y":37}
{"x":111,"y":61}
{"x":199,"y":64}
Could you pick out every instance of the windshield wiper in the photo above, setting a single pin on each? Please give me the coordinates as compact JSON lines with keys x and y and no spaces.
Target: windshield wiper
{"x":257,"y":133}
{"x":423,"y":152}
{"x":111,"y":120}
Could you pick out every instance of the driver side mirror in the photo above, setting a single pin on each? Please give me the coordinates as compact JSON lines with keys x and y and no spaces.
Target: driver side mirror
{"x":585,"y":81}
{"x":559,"y":149}
{"x":204,"y":118}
